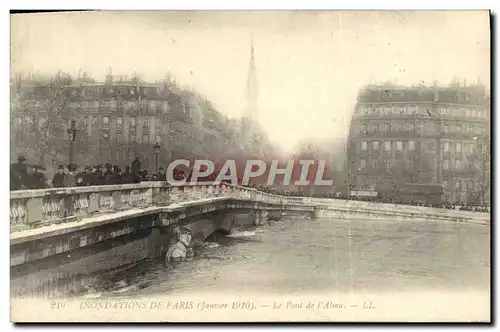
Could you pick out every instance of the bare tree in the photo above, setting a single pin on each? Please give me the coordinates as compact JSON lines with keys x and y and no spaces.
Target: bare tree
{"x":42,"y":115}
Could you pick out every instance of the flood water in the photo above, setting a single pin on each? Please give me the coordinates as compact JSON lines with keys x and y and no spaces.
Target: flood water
{"x":298,"y":256}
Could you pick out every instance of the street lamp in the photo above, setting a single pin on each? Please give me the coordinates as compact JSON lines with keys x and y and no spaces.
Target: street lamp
{"x":71,"y":137}
{"x":157,"y":153}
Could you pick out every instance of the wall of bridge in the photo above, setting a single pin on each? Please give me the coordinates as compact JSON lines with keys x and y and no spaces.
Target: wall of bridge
{"x":61,"y":237}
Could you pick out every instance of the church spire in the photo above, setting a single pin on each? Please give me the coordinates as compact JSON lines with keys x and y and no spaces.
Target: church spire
{"x":252,"y":92}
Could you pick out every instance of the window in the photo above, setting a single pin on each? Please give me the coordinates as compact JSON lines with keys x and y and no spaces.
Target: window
{"x":405,"y":127}
{"x":151,"y":105}
{"x":399,"y":127}
{"x":375,"y":128}
{"x":446,"y":147}
{"x":364,"y":146}
{"x":145,"y":123}
{"x":375,"y":146}
{"x":133,"y":137}
{"x":119,"y":137}
{"x":145,"y":138}
{"x":411,"y":164}
{"x":411,"y":145}
{"x":105,"y":122}
{"x":469,"y":149}
{"x":105,"y":104}
{"x":458,"y":184}
{"x":132,"y":123}
{"x":468,"y":112}
{"x":387,"y":165}
{"x":364,"y":111}
{"x":411,"y":127}
{"x":362,"y":164}
{"x":387,"y":127}
{"x":119,"y":122}
{"x":387,"y":145}
{"x":458,"y":148}
{"x":414,"y":110}
{"x":105,"y":135}
{"x":445,"y":127}
{"x":446,"y":164}
{"x":377,"y":110}
{"x":375,"y":163}
{"x":158,"y":128}
{"x":158,"y":138}
{"x":399,"y":145}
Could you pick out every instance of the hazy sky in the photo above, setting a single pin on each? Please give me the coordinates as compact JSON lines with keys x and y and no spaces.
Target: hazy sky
{"x":310,"y":65}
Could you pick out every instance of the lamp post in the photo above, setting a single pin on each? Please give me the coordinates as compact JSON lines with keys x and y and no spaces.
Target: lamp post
{"x":71,"y":137}
{"x":157,"y":153}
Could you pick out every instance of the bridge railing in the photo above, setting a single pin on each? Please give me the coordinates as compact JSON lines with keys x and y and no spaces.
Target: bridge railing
{"x":34,"y":208}
{"x":31,"y":208}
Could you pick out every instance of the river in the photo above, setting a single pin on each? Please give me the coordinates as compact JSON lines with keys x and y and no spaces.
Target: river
{"x":300,"y":256}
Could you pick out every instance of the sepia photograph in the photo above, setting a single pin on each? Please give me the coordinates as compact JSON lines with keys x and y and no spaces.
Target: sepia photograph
{"x":250,"y":166}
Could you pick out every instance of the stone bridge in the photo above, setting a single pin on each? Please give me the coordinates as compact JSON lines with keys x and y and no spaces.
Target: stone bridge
{"x":61,"y":237}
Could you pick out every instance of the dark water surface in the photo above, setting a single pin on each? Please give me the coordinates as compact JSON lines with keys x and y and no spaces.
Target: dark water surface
{"x":326,"y":255}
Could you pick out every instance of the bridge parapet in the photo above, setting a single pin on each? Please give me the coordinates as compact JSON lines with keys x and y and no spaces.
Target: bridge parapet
{"x":35,"y":208}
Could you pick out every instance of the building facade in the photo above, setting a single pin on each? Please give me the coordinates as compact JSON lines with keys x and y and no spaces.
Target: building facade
{"x":116,"y":120}
{"x":427,"y":137}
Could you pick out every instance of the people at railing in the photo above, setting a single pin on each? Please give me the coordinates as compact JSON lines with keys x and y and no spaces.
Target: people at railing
{"x":25,"y":176}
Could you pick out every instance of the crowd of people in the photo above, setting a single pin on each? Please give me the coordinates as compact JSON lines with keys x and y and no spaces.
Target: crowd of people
{"x":25,"y":176}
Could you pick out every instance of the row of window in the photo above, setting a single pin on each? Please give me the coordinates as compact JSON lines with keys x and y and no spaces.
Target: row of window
{"x":467,"y":148}
{"x":410,"y":127}
{"x":453,"y":164}
{"x":388,"y":164}
{"x":113,"y":104}
{"x":132,"y":123}
{"x":132,"y":138}
{"x":388,"y":145}
{"x":412,"y":110}
{"x":469,"y":185}
{"x":458,"y":147}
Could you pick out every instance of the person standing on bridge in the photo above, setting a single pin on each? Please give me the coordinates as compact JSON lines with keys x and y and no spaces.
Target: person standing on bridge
{"x":39,"y":180}
{"x":58,"y":179}
{"x":161,"y":176}
{"x":70,"y":176}
{"x":136,"y":169}
{"x":18,"y":174}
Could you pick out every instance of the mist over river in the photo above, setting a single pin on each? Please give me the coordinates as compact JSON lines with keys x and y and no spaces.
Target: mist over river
{"x":301,"y":256}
